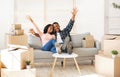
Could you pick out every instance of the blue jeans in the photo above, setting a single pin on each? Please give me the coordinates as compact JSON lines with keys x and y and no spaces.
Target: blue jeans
{"x":50,"y":46}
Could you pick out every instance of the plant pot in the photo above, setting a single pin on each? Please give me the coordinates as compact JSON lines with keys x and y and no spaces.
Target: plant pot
{"x":113,"y":56}
{"x":28,"y":66}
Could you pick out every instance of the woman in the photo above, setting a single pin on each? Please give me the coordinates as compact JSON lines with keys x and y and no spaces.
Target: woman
{"x":48,"y":40}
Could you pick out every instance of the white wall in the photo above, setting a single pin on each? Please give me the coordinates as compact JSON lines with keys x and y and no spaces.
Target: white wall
{"x":6,"y":14}
{"x":90,"y":18}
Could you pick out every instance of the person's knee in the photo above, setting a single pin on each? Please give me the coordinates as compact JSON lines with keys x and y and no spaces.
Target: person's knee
{"x":53,"y":41}
{"x":53,"y":50}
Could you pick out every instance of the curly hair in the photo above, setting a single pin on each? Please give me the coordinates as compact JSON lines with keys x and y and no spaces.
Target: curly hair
{"x":46,"y":28}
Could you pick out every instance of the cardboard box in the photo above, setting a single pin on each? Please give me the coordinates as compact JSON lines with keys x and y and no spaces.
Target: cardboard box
{"x":18,"y":73}
{"x":17,"y":40}
{"x":109,"y":45}
{"x":108,"y":37}
{"x":107,"y":66}
{"x":1,"y":64}
{"x":15,"y":59}
{"x":19,"y":32}
{"x":88,"y":41}
{"x":16,"y":26}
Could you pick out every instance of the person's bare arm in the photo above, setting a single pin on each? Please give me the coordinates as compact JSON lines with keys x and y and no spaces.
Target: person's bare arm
{"x":36,"y":27}
{"x":74,"y":12}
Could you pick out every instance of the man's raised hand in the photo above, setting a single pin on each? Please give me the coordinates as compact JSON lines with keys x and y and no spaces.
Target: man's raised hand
{"x":74,"y":12}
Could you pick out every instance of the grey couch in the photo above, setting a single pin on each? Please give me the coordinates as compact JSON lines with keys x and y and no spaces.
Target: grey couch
{"x":83,"y":53}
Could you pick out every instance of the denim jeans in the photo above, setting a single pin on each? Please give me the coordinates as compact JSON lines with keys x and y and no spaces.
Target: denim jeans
{"x":50,"y":46}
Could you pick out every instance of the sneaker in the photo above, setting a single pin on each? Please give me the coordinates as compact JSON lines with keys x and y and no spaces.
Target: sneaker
{"x":58,"y":48}
{"x":69,"y":48}
{"x":66,"y":41}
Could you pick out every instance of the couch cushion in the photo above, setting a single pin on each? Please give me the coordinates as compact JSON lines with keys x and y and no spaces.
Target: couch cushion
{"x":77,"y":39}
{"x":39,"y":54}
{"x":85,"y":51}
{"x":34,"y":41}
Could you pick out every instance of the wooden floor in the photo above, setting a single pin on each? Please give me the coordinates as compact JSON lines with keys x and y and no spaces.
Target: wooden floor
{"x":87,"y":70}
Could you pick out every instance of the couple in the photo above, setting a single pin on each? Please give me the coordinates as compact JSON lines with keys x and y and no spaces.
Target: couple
{"x":54,"y":39}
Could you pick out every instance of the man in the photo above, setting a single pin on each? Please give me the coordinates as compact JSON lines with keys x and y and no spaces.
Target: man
{"x":63,"y":36}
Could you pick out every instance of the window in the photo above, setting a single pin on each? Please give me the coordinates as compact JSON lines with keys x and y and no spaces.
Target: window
{"x":112,"y":17}
{"x":43,"y":12}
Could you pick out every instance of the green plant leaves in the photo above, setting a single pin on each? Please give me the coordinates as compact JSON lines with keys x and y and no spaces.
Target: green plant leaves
{"x":114,"y":52}
{"x":116,"y":5}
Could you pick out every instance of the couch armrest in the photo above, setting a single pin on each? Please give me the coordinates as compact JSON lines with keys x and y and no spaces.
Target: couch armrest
{"x":97,"y":44}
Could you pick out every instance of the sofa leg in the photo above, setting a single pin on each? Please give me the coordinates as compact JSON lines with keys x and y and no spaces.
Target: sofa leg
{"x":92,"y":62}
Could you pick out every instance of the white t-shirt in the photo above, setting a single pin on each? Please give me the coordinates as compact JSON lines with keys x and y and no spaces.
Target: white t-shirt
{"x":59,"y":40}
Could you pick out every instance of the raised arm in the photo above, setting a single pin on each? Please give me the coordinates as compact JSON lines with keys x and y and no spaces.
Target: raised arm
{"x":74,"y":12}
{"x":36,"y":27}
{"x":69,"y":26}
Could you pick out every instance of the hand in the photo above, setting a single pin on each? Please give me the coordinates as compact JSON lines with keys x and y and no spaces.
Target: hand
{"x":29,"y":18}
{"x":74,"y":12}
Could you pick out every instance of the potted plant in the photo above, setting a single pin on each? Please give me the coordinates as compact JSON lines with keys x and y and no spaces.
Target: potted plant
{"x":115,"y":5}
{"x":114,"y":53}
{"x":28,"y":64}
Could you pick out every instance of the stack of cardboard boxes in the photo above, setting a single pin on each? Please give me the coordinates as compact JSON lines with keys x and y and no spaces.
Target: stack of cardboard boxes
{"x":18,"y":29}
{"x":15,"y":63}
{"x":17,"y":37}
{"x":104,"y":63}
{"x":15,"y":56}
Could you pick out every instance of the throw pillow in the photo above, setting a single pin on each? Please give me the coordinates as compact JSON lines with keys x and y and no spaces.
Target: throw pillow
{"x":34,"y":41}
{"x":77,"y":39}
{"x":88,"y":41}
